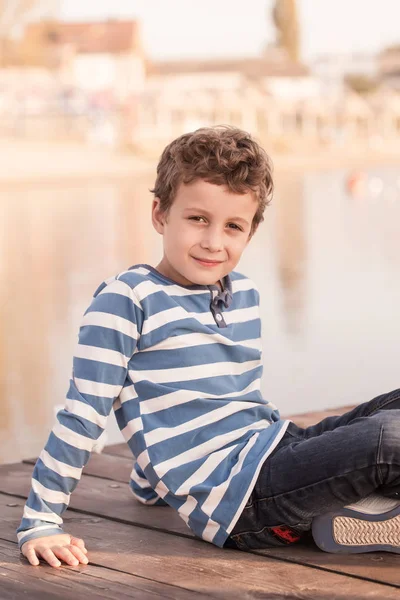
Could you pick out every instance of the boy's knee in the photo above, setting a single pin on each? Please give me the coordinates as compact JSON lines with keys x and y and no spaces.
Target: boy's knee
{"x":389,"y":446}
{"x":388,"y":418}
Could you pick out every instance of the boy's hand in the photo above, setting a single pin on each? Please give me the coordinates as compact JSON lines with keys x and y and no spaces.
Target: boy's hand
{"x":54,"y":547}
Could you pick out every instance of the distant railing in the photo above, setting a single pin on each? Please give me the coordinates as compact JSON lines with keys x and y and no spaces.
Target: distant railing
{"x":45,"y":126}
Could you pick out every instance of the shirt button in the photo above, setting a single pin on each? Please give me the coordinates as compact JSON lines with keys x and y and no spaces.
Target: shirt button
{"x":219,"y":317}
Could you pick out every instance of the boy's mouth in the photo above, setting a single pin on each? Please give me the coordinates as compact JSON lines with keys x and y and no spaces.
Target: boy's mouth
{"x":208,"y":263}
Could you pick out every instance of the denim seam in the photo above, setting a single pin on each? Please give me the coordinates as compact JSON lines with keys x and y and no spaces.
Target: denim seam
{"x":388,"y":401}
{"x":239,"y":542}
{"x":378,"y":456}
{"x":293,"y":435}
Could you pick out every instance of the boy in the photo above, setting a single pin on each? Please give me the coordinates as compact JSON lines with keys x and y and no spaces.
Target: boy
{"x":175,"y":350}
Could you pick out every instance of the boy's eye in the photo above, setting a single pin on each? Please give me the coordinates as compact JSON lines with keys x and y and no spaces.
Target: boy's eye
{"x":196,"y":217}
{"x":231,"y":225}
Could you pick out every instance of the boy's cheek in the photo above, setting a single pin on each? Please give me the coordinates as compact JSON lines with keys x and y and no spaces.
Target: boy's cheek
{"x":185,"y":237}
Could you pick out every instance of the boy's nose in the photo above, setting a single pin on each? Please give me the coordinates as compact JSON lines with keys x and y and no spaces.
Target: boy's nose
{"x":212,"y":241}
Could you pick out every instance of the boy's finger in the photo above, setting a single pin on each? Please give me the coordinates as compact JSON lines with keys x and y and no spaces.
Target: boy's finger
{"x":78,"y":542}
{"x":63,"y":553}
{"x":49,"y":556}
{"x":31,"y":556}
{"x":77,"y":552}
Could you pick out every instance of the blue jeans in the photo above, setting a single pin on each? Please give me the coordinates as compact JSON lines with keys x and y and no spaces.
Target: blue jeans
{"x":322,"y":468}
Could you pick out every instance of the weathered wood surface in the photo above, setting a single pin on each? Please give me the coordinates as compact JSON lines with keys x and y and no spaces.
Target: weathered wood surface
{"x":19,"y":579}
{"x":118,"y":450}
{"x":96,"y":497}
{"x":183,"y":564}
{"x":310,"y":418}
{"x":147,"y":552}
{"x":107,"y":466}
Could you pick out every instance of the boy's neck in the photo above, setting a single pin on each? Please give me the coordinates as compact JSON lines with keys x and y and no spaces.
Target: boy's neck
{"x":172,"y":275}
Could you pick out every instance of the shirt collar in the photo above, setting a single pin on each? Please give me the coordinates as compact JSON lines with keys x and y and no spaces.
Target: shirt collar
{"x":224,"y":295}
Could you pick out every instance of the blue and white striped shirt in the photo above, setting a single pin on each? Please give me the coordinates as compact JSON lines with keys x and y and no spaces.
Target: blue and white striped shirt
{"x":181,"y":367}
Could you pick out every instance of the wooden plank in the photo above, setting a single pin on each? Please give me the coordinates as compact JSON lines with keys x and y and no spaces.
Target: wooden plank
{"x":96,"y":498}
{"x":373,"y":566}
{"x":311,"y":418}
{"x":18,"y":579}
{"x":102,"y":497}
{"x":107,"y":466}
{"x":118,"y":450}
{"x":195,"y":565}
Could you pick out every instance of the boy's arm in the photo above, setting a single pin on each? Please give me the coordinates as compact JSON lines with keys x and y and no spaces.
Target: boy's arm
{"x":142,"y":490}
{"x":107,"y":339}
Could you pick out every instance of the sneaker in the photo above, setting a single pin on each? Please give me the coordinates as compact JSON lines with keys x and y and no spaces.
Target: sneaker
{"x":370,"y":525}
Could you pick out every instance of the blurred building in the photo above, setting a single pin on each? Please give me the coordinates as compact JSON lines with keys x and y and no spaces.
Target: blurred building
{"x":385,"y":104}
{"x":15,"y":15}
{"x":90,"y":56}
{"x":182,"y":95}
{"x":93,"y":81}
{"x":389,"y":67}
{"x":71,"y":79}
{"x":332,"y":69}
{"x":336,"y":66}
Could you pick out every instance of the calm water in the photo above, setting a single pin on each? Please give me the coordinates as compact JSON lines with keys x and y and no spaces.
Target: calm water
{"x":327,"y":266}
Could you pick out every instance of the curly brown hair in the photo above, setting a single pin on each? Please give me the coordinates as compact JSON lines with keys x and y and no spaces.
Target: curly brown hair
{"x":222,"y":155}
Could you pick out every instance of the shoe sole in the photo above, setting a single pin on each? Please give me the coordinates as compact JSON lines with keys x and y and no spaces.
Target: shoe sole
{"x":349,"y":532}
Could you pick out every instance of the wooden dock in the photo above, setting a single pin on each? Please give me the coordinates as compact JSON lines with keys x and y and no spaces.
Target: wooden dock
{"x":148,"y":552}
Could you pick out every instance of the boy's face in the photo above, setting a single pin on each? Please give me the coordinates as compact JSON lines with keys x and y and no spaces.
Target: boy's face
{"x":206,"y":222}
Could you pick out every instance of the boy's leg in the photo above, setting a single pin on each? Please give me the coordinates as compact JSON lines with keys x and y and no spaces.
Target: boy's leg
{"x":309,"y":476}
{"x":388,"y":401}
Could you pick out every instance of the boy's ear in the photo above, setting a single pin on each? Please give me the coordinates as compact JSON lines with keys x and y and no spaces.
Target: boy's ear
{"x":157,"y":217}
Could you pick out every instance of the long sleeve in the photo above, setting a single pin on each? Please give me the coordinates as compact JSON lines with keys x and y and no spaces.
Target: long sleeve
{"x":142,"y":490}
{"x":107,"y":339}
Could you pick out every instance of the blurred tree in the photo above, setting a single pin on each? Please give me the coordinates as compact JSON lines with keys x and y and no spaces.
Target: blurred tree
{"x":286,"y":21}
{"x":362,"y":84}
{"x":395,"y":48}
{"x":14,"y":16}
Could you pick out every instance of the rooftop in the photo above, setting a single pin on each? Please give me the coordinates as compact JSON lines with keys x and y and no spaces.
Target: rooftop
{"x":252,"y":67}
{"x":89,"y":38}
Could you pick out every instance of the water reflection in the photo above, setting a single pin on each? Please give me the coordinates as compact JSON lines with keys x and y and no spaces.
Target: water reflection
{"x":290,"y":232}
{"x":327,"y":266}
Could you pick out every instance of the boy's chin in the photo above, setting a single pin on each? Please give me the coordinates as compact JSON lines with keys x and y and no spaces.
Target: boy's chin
{"x":197,"y":275}
{"x":206,"y":280}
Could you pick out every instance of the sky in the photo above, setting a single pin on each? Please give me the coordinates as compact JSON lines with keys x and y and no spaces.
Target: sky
{"x":210,"y":28}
